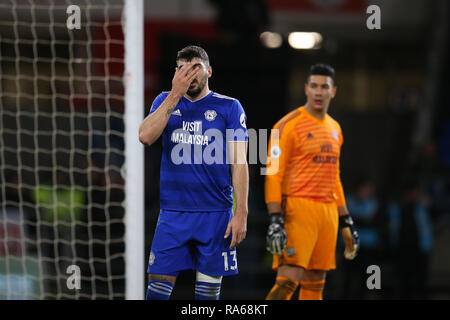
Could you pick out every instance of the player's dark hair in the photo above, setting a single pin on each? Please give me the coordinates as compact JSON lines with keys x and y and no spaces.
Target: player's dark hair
{"x":190,"y":52}
{"x":322,"y":70}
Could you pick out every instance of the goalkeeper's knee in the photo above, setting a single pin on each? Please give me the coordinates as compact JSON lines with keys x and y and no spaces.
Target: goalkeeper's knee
{"x":311,"y":290}
{"x":283,"y":289}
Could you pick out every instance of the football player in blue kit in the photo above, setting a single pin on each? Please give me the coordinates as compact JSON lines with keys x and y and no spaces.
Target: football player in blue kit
{"x":204,"y":139}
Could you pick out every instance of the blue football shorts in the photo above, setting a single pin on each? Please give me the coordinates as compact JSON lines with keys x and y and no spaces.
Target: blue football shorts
{"x":192,"y":240}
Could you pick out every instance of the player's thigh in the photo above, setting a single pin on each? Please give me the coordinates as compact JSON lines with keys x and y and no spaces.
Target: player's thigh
{"x":323,"y":256}
{"x":213,"y":255}
{"x":302,"y":229}
{"x":170,"y":251}
{"x":291,"y":272}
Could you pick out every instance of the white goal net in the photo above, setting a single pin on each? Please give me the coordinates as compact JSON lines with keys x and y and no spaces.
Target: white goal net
{"x":62,"y":149}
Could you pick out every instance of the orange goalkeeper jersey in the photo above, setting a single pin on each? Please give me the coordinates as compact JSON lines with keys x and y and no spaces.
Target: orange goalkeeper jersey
{"x":304,"y":160}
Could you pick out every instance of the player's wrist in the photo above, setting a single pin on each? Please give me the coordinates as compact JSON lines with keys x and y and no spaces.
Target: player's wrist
{"x":276,"y":217}
{"x":176,"y":94}
{"x":346,"y":221}
{"x":343,"y":211}
{"x":243,"y":211}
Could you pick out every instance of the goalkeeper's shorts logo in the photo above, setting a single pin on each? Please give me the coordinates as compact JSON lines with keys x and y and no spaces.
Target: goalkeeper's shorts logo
{"x":151,"y":259}
{"x":290,"y":251}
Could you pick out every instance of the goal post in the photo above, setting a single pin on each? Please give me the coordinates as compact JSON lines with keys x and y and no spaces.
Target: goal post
{"x":134,"y":110}
{"x":71,"y":164}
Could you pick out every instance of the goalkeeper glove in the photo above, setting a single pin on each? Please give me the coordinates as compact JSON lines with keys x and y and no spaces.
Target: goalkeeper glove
{"x":350,"y":236}
{"x":276,"y":235}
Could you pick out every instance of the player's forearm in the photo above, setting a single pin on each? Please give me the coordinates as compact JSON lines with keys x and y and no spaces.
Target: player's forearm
{"x":153,"y":126}
{"x":274,"y":207}
{"x":342,"y":211}
{"x":240,"y":185}
{"x":273,"y":193}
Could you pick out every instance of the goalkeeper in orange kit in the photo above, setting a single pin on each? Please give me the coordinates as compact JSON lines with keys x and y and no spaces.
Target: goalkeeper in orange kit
{"x":304,"y":194}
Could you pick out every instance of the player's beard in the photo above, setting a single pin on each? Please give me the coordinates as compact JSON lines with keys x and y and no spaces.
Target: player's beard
{"x":201,"y":83}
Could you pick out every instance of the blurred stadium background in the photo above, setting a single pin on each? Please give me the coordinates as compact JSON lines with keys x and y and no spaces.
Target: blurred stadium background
{"x":392,"y":104}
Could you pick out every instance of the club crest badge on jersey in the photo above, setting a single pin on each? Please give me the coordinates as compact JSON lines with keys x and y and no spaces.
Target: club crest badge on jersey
{"x":210,"y":115}
{"x":151,"y":259}
{"x":335,"y":135}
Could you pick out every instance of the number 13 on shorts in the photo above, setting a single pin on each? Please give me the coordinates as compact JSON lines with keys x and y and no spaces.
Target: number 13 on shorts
{"x":233,"y":259}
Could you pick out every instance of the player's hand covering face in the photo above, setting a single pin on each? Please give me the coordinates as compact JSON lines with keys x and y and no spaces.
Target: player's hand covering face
{"x":199,"y":81}
{"x":183,"y":77}
{"x":350,"y":236}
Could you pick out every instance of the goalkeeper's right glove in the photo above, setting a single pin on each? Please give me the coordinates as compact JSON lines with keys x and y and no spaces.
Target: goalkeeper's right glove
{"x":276,"y":234}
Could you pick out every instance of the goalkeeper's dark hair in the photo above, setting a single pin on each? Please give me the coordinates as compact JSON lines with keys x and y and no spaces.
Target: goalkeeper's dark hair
{"x":322,"y":70}
{"x":190,"y":52}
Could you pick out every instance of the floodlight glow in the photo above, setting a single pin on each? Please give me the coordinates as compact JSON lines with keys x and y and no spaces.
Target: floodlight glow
{"x":305,"y":40}
{"x":271,"y":40}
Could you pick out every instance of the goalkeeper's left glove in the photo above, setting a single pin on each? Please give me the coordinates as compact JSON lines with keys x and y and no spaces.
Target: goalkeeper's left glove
{"x":350,"y":236}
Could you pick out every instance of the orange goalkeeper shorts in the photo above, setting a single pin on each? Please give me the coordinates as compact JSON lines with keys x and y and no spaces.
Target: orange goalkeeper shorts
{"x":312,"y":229}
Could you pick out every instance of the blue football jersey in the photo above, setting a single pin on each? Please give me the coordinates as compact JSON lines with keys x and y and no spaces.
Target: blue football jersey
{"x":195,"y":172}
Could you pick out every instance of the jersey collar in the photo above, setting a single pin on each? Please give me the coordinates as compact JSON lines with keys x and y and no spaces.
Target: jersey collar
{"x":202,"y":99}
